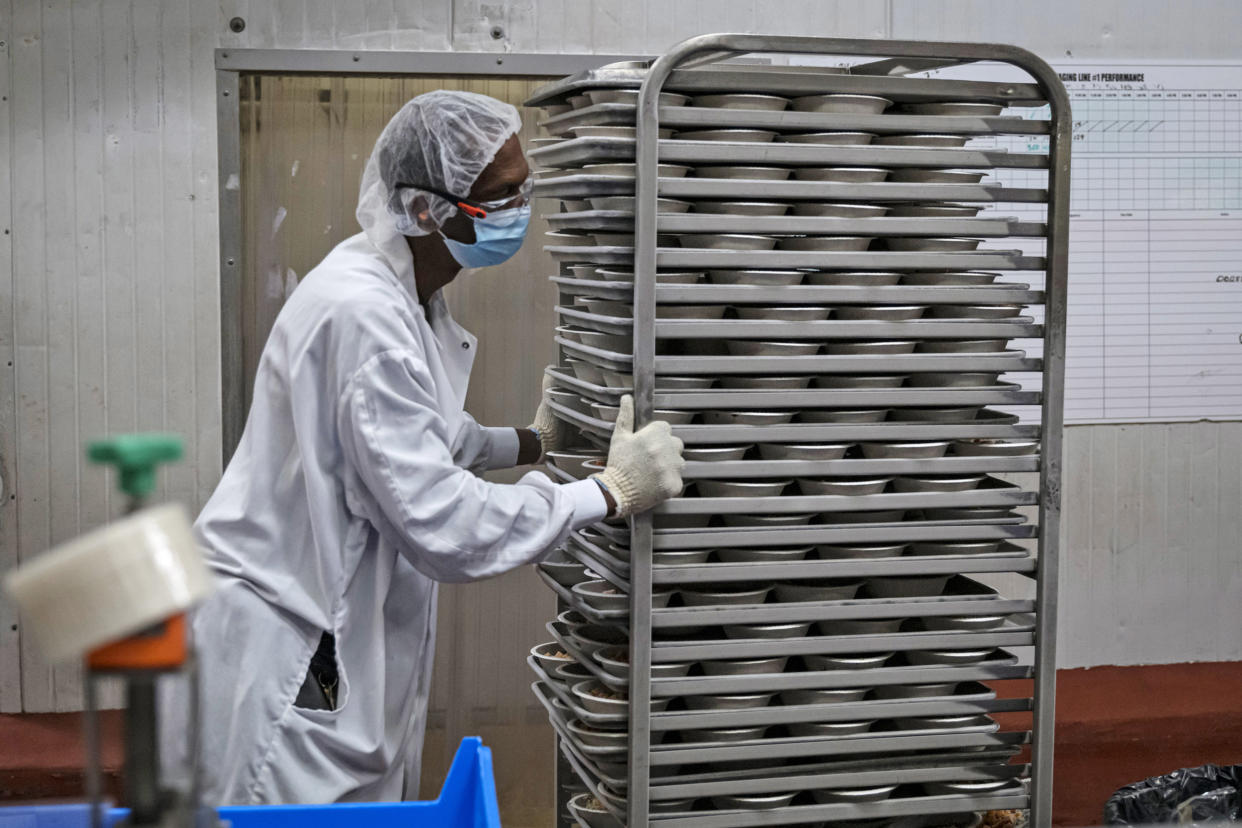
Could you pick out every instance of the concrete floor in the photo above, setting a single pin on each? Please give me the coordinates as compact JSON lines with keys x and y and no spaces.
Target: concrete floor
{"x":1115,"y":725}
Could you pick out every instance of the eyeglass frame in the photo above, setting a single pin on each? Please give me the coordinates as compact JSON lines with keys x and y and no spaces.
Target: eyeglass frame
{"x":472,"y":208}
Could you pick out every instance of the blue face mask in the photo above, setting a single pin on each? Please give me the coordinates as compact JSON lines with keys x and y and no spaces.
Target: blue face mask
{"x":496,"y":238}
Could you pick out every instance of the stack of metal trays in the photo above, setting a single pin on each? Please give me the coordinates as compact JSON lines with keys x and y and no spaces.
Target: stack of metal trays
{"x":834,"y":320}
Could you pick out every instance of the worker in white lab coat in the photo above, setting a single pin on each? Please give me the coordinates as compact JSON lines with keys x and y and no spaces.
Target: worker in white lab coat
{"x":353,"y":491}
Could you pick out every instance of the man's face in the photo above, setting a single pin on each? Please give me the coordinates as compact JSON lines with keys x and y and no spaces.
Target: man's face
{"x":500,"y":180}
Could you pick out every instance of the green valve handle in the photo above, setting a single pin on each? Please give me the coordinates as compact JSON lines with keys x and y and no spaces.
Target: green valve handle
{"x":136,"y":457}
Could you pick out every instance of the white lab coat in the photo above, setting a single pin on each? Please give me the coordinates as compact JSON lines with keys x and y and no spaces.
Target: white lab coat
{"x":351,"y":494}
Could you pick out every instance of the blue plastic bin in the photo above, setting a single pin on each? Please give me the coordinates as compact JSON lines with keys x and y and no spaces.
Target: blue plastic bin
{"x":467,"y":800}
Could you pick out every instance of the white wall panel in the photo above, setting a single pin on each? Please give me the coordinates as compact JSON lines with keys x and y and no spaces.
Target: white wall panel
{"x":110,"y":286}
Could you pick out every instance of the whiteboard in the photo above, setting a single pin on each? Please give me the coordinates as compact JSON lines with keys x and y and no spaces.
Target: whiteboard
{"x":1154,"y":330}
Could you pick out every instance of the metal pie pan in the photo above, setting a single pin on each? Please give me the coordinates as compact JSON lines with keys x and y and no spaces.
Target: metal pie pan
{"x":745,"y":666}
{"x":858,"y":381}
{"x":865,"y":626}
{"x":865,"y":661}
{"x":938,"y":483}
{"x":906,"y":451}
{"x":842,"y":175}
{"x":955,"y":108}
{"x":963,"y":623}
{"x":962,"y":346}
{"x":582,"y":271}
{"x":612,"y":132}
{"x":601,"y":595}
{"x":746,"y":555}
{"x":724,"y":734}
{"x":756,"y":277}
{"x":604,"y":704}
{"x":571,"y":462}
{"x":714,"y":596}
{"x":575,"y":205}
{"x":756,"y":802}
{"x":568,"y":239}
{"x":727,"y":241}
{"x":869,"y":415}
{"x":627,"y":239}
{"x":828,"y":728}
{"x":556,"y":109}
{"x":994,"y":448}
{"x":948,"y":278}
{"x":773,"y":631}
{"x":767,"y":520}
{"x":856,"y":104}
{"x":976,"y":311}
{"x":803,"y":451}
{"x":974,"y":547}
{"x":936,"y":415}
{"x":843,"y":485}
{"x":832,"y":210}
{"x":621,"y":379}
{"x":833,"y":139}
{"x":941,"y":722}
{"x":626,"y":170}
{"x":923,"y":140}
{"x":564,"y":572}
{"x":882,"y":516}
{"x":871,"y":346}
{"x":621,"y":343}
{"x":714,"y":453}
{"x":586,"y":371}
{"x":747,"y":417}
{"x":591,"y":817}
{"x":630,"y":96}
{"x":616,"y":661}
{"x":833,"y":551}
{"x":953,"y":379}
{"x":861,"y":278}
{"x":887,"y":313}
{"x":950,"y":657}
{"x":580,"y":101}
{"x":971,"y":788}
{"x":571,"y":673}
{"x":767,"y":103}
{"x":593,"y":737}
{"x":907,"y":586}
{"x":680,"y":557}
{"x":672,"y":417}
{"x":545,"y":655}
{"x":915,"y":691}
{"x":946,"y":210}
{"x":625,"y":204}
{"x":675,"y":277}
{"x":826,"y":796}
{"x":919,"y":175}
{"x":944,"y":245}
{"x":752,"y":383}
{"x":749,"y":136}
{"x":743,"y":172}
{"x":784,"y":313}
{"x":824,"y":243}
{"x":759,"y":347}
{"x":742,"y":208}
{"x":748,"y":701}
{"x":821,"y":590}
{"x":835,"y":696}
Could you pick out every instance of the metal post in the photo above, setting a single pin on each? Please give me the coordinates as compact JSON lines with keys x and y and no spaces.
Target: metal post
{"x":142,"y":762}
{"x":232,"y":365}
{"x":94,"y":784}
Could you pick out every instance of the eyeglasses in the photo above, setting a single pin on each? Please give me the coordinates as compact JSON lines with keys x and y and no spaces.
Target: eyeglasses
{"x":479,"y":209}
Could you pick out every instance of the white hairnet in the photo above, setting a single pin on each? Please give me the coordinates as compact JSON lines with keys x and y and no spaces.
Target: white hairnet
{"x":439,"y":139}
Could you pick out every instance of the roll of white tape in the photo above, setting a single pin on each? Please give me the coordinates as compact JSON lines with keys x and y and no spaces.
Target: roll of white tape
{"x":110,"y":583}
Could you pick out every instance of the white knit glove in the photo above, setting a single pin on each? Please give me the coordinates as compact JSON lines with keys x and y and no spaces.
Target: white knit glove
{"x":553,"y":433}
{"x":644,"y":467}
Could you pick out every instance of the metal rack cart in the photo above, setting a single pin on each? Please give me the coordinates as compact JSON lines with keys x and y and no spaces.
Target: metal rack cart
{"x":802,"y":269}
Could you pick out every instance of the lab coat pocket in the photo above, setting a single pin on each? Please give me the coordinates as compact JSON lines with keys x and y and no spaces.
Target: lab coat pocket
{"x":324,"y":688}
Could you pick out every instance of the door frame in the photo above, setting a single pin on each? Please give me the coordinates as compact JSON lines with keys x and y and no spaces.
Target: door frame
{"x":231,"y":65}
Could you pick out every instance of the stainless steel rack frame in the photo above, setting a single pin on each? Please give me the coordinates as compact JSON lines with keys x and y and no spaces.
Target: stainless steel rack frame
{"x":637,"y":778}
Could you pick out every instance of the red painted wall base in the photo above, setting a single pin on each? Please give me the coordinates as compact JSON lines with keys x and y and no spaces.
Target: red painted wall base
{"x":1115,"y":725}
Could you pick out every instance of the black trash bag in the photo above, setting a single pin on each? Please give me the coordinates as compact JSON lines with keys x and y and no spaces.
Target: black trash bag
{"x":1205,"y":794}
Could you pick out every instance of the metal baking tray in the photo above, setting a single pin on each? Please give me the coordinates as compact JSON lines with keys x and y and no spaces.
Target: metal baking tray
{"x":1011,"y":559}
{"x":845,"y":364}
{"x":698,"y":117}
{"x":700,"y":259}
{"x":994,"y":294}
{"x":786,"y":81}
{"x":586,"y":185}
{"x":987,"y":227}
{"x":811,"y":535}
{"x":576,"y":152}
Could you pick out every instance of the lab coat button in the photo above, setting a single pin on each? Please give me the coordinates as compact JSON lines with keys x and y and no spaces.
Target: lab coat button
{"x":466,"y":345}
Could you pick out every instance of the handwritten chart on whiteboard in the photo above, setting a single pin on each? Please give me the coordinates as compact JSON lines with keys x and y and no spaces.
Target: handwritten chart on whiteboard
{"x":1154,"y":327}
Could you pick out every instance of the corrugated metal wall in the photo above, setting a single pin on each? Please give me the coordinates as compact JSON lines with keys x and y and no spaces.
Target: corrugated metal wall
{"x":108,"y":279}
